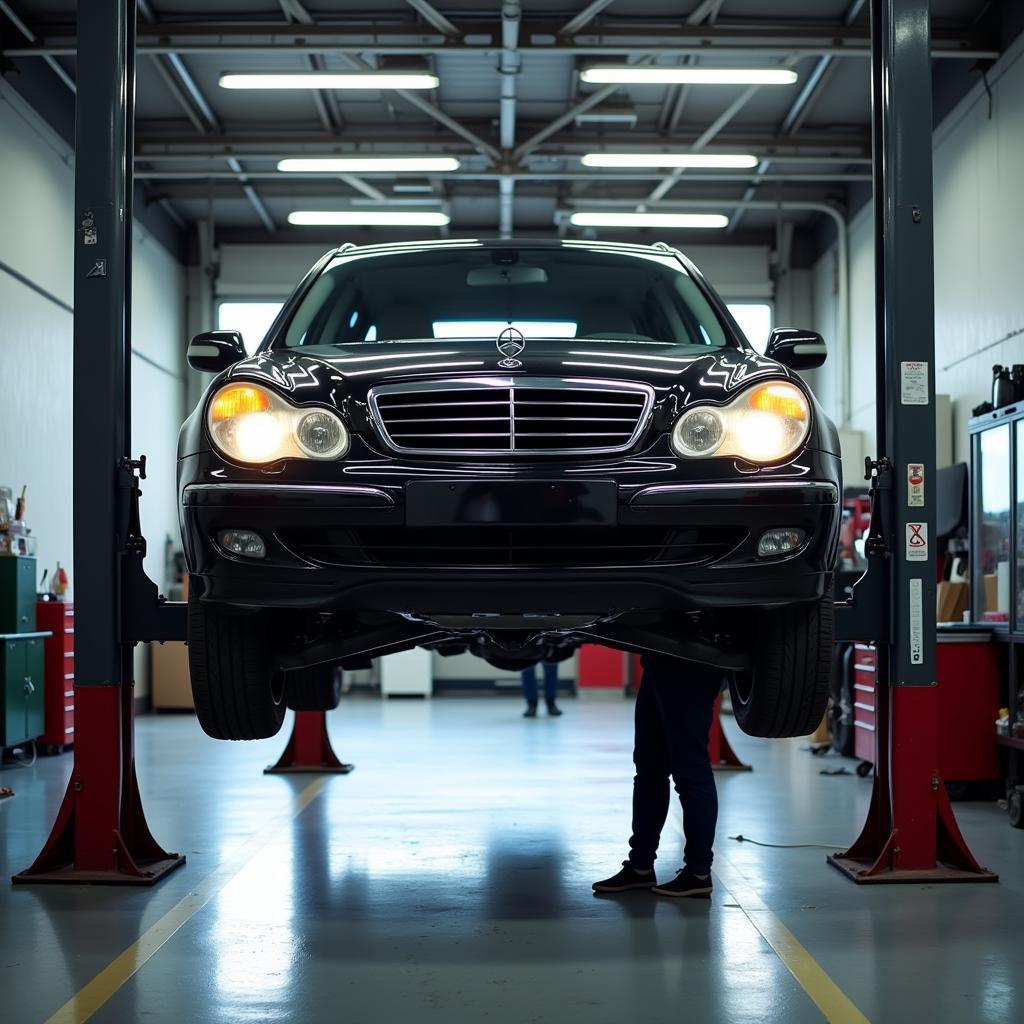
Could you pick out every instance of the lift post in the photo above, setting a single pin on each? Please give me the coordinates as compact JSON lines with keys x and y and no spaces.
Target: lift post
{"x":911,"y":833}
{"x":101,"y":833}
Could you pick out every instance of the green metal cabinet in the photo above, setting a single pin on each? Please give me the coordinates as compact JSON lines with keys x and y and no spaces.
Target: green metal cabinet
{"x":17,"y":594}
{"x":21,"y":674}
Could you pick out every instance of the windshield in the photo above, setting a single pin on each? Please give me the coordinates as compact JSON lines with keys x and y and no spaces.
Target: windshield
{"x":471,"y":291}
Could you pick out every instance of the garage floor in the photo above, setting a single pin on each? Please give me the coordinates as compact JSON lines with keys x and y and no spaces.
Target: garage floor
{"x":448,"y":879}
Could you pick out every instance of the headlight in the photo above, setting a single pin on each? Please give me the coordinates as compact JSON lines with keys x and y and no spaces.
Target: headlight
{"x":765,"y":423}
{"x":253,"y":424}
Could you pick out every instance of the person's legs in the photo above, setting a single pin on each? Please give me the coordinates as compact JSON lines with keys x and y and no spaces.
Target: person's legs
{"x":686,"y":694}
{"x":650,"y":784}
{"x":529,"y":684}
{"x":551,"y":686}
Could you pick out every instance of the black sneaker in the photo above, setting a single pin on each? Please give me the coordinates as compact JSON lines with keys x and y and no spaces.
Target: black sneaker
{"x":686,"y":883}
{"x":628,"y":878}
{"x":553,"y":709}
{"x":531,"y":709}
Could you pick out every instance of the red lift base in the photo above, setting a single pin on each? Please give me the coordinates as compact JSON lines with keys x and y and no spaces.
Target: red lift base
{"x":911,"y":834}
{"x":101,"y":836}
{"x":723,"y":757}
{"x":309,"y":749}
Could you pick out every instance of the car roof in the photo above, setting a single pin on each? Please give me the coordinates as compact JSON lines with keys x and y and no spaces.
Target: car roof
{"x":425,"y":245}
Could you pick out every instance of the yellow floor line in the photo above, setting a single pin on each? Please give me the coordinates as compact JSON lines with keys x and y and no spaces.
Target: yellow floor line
{"x":835,"y":1005}
{"x":86,"y":1002}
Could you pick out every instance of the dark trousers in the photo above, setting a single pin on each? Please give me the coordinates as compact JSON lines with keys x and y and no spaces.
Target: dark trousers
{"x":529,"y":677}
{"x":673,"y":718}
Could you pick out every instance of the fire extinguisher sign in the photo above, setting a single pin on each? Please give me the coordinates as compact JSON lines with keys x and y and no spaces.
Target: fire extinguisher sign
{"x":915,"y":484}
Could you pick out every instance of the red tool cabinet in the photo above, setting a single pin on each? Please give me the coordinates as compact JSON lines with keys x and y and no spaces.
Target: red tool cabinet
{"x":58,"y":617}
{"x":968,"y":671}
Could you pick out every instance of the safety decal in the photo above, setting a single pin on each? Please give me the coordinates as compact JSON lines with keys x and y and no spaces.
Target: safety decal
{"x":99,"y":269}
{"x":917,"y":542}
{"x":915,"y":484}
{"x":914,"y":383}
{"x":916,"y":624}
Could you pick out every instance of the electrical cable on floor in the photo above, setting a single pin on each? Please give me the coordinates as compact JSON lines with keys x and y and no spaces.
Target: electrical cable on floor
{"x":22,"y":761}
{"x":792,"y":846}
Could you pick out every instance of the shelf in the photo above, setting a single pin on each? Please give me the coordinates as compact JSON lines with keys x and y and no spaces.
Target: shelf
{"x":1014,"y":742}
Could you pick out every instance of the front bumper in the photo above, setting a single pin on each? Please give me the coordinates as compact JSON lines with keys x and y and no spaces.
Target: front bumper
{"x":349,"y":547}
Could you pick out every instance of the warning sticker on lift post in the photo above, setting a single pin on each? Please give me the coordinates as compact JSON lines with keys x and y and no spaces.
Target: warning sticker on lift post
{"x":914,"y":383}
{"x":915,"y":484}
{"x":916,"y":624}
{"x":917,"y":542}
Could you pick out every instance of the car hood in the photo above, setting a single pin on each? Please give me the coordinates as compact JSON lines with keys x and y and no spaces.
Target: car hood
{"x":332,"y":373}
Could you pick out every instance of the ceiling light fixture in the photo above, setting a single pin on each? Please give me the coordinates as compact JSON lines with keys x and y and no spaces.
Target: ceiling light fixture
{"x":609,"y":74}
{"x":365,"y":164}
{"x":329,"y":80}
{"x":370,"y":218}
{"x":711,"y":160}
{"x":601,"y":219}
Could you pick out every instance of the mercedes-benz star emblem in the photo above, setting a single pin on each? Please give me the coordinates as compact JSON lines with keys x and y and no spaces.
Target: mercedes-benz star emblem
{"x":510,"y":344}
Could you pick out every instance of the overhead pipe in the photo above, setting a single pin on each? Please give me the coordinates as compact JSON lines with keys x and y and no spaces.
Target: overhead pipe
{"x":508,"y":67}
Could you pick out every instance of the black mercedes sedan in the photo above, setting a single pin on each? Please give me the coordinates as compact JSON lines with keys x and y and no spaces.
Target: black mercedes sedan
{"x":510,"y":448}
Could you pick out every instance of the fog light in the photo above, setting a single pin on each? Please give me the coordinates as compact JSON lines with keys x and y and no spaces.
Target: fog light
{"x":779,"y":542}
{"x":243,"y":543}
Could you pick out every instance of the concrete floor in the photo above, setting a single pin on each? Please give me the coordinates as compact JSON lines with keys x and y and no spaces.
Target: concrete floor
{"x":448,"y":879}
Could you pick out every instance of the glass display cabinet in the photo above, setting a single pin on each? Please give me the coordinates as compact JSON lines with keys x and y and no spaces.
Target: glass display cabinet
{"x":997,"y":512}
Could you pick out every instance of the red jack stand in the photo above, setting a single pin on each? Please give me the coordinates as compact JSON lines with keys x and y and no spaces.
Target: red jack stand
{"x":911,"y":834}
{"x":309,"y":749}
{"x":723,"y":757}
{"x":101,"y":835}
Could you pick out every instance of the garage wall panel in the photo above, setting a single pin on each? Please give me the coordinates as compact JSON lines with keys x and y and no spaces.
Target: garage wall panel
{"x":36,"y":224}
{"x":979,"y":210}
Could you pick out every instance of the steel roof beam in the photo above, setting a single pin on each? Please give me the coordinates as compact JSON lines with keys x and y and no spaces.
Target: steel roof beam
{"x":818,"y":147}
{"x":53,"y":63}
{"x":724,"y":177}
{"x":183,"y":87}
{"x":584,"y":18}
{"x":650,"y":38}
{"x":801,"y":106}
{"x":431,"y":14}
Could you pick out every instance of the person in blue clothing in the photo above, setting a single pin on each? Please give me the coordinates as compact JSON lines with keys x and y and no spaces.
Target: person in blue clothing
{"x":675,"y":707}
{"x":529,"y":677}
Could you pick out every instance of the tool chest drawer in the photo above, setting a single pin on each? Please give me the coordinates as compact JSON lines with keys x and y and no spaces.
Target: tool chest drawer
{"x":59,"y":617}
{"x":865,"y":676}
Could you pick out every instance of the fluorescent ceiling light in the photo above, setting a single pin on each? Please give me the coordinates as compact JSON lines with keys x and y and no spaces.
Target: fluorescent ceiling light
{"x":601,"y":219}
{"x":371,"y":218}
{"x":362,"y":164}
{"x":607,"y":74}
{"x":330,"y":80}
{"x":668,"y":160}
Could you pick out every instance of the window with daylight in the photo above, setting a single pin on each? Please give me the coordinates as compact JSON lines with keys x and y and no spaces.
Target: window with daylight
{"x":755,"y":320}
{"x":251,"y":319}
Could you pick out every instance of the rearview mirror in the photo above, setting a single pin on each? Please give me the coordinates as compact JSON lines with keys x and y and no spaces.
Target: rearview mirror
{"x":797,"y":349}
{"x":213,"y":351}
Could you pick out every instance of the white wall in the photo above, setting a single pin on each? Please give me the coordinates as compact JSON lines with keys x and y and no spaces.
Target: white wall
{"x":979,"y":219}
{"x":36,"y":225}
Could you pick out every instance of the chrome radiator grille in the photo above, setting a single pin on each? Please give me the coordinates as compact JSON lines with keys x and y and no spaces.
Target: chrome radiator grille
{"x":511,"y":416}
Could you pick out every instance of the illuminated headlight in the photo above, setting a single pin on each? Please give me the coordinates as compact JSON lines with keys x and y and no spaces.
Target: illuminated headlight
{"x":252,"y":424}
{"x":765,"y":423}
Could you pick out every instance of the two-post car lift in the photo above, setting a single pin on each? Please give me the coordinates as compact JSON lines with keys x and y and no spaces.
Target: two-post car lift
{"x":101,"y":833}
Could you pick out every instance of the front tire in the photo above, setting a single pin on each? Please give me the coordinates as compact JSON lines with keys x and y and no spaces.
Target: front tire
{"x":317,"y":688}
{"x":237,"y":692}
{"x":785,"y":690}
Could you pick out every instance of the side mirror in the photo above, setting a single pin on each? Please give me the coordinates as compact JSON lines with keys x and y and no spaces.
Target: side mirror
{"x":799,"y":350}
{"x":213,"y":351}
